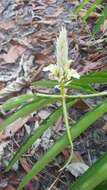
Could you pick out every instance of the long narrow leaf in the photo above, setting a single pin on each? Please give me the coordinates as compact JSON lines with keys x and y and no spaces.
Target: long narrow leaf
{"x":45,"y":83}
{"x":83,"y":83}
{"x":81,"y":5}
{"x":99,"y":77}
{"x":91,"y":9}
{"x":96,"y":174}
{"x":53,"y":83}
{"x":16,"y":101}
{"x":100,"y":20}
{"x":102,"y":186}
{"x":26,"y":110}
{"x":32,"y":138}
{"x":78,"y":128}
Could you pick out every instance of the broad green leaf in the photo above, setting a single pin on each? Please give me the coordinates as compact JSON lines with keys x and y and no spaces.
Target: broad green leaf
{"x":16,"y":101}
{"x":76,"y":130}
{"x":26,"y":110}
{"x":91,"y":9}
{"x":96,"y":174}
{"x":100,"y":20}
{"x":32,"y":138}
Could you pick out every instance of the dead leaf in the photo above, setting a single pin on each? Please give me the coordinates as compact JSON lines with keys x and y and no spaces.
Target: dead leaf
{"x":77,"y":166}
{"x":105,"y":128}
{"x":56,"y":14}
{"x":43,"y":114}
{"x":82,"y":105}
{"x":92,"y":15}
{"x":13,"y":53}
{"x":58,"y":125}
{"x":13,"y":128}
{"x":104,"y":28}
{"x":7,"y":25}
{"x":10,"y":187}
{"x":26,"y":166}
{"x":2,"y":146}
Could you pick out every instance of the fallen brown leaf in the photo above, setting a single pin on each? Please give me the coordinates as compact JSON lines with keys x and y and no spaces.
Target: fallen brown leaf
{"x":10,"y":187}
{"x":105,"y":128}
{"x":26,"y":166}
{"x":82,"y":105}
{"x":77,"y":166}
{"x":14,"y":52}
{"x":13,"y":128}
{"x":104,"y":28}
{"x":92,"y":15}
{"x":7,"y":25}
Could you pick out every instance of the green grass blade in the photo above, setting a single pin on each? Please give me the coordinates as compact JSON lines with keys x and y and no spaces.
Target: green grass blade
{"x":100,"y":20}
{"x":76,"y":130}
{"x":102,"y":186}
{"x":32,"y":138}
{"x":26,"y":110}
{"x":16,"y":101}
{"x":81,"y":5}
{"x":96,"y":174}
{"x":91,"y":9}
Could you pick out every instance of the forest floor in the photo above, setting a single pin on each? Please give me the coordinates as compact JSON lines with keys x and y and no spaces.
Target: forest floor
{"x":28,"y":31}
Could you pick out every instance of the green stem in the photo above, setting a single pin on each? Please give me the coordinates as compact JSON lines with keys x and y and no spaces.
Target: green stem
{"x":73,"y":96}
{"x":65,"y":113}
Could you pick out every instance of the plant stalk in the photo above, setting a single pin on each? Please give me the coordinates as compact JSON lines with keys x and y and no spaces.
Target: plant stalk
{"x":65,"y":113}
{"x":72,"y":96}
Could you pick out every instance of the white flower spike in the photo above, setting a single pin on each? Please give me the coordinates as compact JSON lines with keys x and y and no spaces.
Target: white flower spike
{"x":61,"y":70}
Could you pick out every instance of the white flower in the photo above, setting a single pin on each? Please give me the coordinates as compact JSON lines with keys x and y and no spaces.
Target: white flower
{"x":61,"y":70}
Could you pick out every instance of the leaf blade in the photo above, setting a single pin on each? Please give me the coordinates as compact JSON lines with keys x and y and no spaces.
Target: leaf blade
{"x":78,"y":128}
{"x":44,"y":125}
{"x":96,"y":174}
{"x":26,"y":110}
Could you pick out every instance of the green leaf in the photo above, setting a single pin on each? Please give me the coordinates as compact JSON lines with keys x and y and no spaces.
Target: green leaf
{"x":83,"y":87}
{"x":46,"y":83}
{"x":100,"y":20}
{"x":96,"y":174}
{"x":99,"y":77}
{"x":102,"y":186}
{"x":53,"y":83}
{"x":32,"y":138}
{"x":76,"y":130}
{"x":16,"y":101}
{"x":81,"y":5}
{"x":26,"y":110}
{"x":91,"y":9}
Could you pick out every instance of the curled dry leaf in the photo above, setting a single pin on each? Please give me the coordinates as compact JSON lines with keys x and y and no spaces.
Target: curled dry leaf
{"x":77,"y":166}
